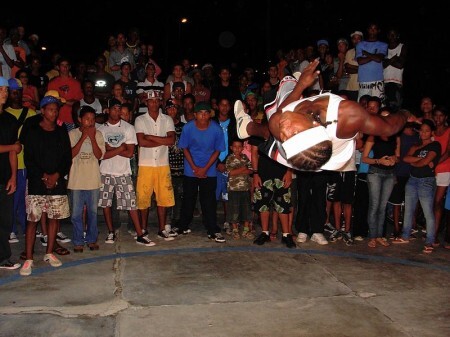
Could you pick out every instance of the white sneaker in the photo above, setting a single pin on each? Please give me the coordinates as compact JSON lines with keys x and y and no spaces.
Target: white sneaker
{"x":302,"y":237}
{"x":319,"y":238}
{"x":52,"y":260}
{"x":242,"y":120}
{"x":61,"y":237}
{"x":13,"y":238}
{"x":26,"y":268}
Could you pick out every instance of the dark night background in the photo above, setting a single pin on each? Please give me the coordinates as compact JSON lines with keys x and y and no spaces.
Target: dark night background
{"x":245,"y":32}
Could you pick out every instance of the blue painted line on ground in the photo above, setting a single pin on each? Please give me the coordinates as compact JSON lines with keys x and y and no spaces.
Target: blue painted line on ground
{"x":252,"y":249}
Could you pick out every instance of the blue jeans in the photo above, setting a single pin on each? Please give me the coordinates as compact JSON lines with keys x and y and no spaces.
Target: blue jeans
{"x":79,"y":199}
{"x":421,"y":189}
{"x":19,"y":211}
{"x":380,"y":183}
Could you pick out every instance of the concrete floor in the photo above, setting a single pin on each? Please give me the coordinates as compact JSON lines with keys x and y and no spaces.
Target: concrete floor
{"x":195,"y":287}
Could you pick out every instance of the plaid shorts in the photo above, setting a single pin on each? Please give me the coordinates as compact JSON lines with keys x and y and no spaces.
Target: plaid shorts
{"x":56,"y":207}
{"x":122,"y":186}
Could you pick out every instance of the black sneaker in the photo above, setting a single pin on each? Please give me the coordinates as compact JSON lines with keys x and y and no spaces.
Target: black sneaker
{"x":185,"y":231}
{"x":334,"y":236}
{"x":43,"y":240}
{"x":347,"y":237}
{"x":328,"y":227}
{"x":144,"y":240}
{"x":165,"y":235}
{"x":288,"y":241}
{"x":110,"y":238}
{"x":218,"y":237}
{"x":7,"y":264}
{"x":262,"y":239}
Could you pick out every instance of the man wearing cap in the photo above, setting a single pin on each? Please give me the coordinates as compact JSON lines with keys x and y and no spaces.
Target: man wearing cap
{"x":155,"y":133}
{"x":9,"y":148}
{"x":202,"y":141}
{"x":317,"y":132}
{"x":16,"y":108}
{"x":150,"y":83}
{"x":48,"y":157}
{"x":351,"y":67}
{"x":115,"y":172}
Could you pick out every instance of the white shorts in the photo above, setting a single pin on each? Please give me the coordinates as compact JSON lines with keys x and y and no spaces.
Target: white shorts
{"x":443,"y":179}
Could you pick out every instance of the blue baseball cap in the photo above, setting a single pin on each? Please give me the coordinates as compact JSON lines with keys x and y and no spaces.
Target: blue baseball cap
{"x":15,"y":84}
{"x":3,"y":82}
{"x":50,"y":99}
{"x":320,"y":42}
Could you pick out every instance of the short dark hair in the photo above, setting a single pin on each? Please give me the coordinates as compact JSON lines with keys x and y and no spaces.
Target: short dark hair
{"x":85,"y":109}
{"x":314,"y":157}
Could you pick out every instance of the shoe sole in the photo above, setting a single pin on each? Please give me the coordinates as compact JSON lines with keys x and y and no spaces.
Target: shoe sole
{"x":146,"y":244}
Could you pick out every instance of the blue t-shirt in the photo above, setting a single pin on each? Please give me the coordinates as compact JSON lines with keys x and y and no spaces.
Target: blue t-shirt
{"x":201,"y":144}
{"x":371,"y":71}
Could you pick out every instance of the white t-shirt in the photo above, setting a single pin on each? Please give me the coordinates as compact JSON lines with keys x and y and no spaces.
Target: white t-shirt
{"x":84,"y":172}
{"x":115,"y":135}
{"x":154,"y":156}
{"x":6,"y":69}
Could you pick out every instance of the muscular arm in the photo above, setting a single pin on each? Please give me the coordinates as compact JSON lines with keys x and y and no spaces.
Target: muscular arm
{"x":353,"y":118}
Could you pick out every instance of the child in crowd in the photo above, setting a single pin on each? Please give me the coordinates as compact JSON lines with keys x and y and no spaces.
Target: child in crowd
{"x":239,"y":168}
{"x":88,"y":147}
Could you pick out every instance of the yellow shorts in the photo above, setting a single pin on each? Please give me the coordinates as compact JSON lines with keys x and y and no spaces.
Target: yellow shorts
{"x":154,"y":179}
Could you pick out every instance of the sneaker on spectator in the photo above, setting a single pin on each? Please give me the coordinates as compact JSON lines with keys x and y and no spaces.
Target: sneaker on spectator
{"x":26,"y":268}
{"x":262,"y":239}
{"x":288,"y":241}
{"x":347,"y":237}
{"x":176,"y":230}
{"x":172,"y":231}
{"x":44,"y":239}
{"x":110,"y":238}
{"x":52,"y":260}
{"x":165,"y":235}
{"x":227,"y":228}
{"x":319,"y":238}
{"x":302,"y":237}
{"x":328,"y":227}
{"x":334,"y":236}
{"x":39,"y":234}
{"x":8,"y":265}
{"x":186,"y":231}
{"x":61,"y":237}
{"x":144,"y":240}
{"x":218,"y":237}
{"x":132,"y":232}
{"x":13,"y":238}
{"x":358,"y":238}
{"x":248,"y":234}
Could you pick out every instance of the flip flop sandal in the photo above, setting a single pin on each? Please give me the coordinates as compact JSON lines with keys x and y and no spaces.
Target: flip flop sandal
{"x":61,"y":251}
{"x":428,"y":249}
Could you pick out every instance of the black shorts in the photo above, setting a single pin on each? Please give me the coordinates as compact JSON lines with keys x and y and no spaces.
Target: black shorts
{"x":341,"y":187}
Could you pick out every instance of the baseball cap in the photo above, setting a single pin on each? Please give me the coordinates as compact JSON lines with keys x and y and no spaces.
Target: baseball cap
{"x":342,"y":40}
{"x":320,"y":42}
{"x":3,"y":82}
{"x":153,"y":94}
{"x":207,"y":65}
{"x":170,"y":103}
{"x":15,"y":84}
{"x":49,"y":99}
{"x":202,"y":106}
{"x":113,"y":102}
{"x":55,"y":94}
{"x":357,"y":32}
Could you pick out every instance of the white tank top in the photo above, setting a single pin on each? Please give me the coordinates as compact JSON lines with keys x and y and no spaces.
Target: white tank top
{"x":390,"y":73}
{"x":343,"y":149}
